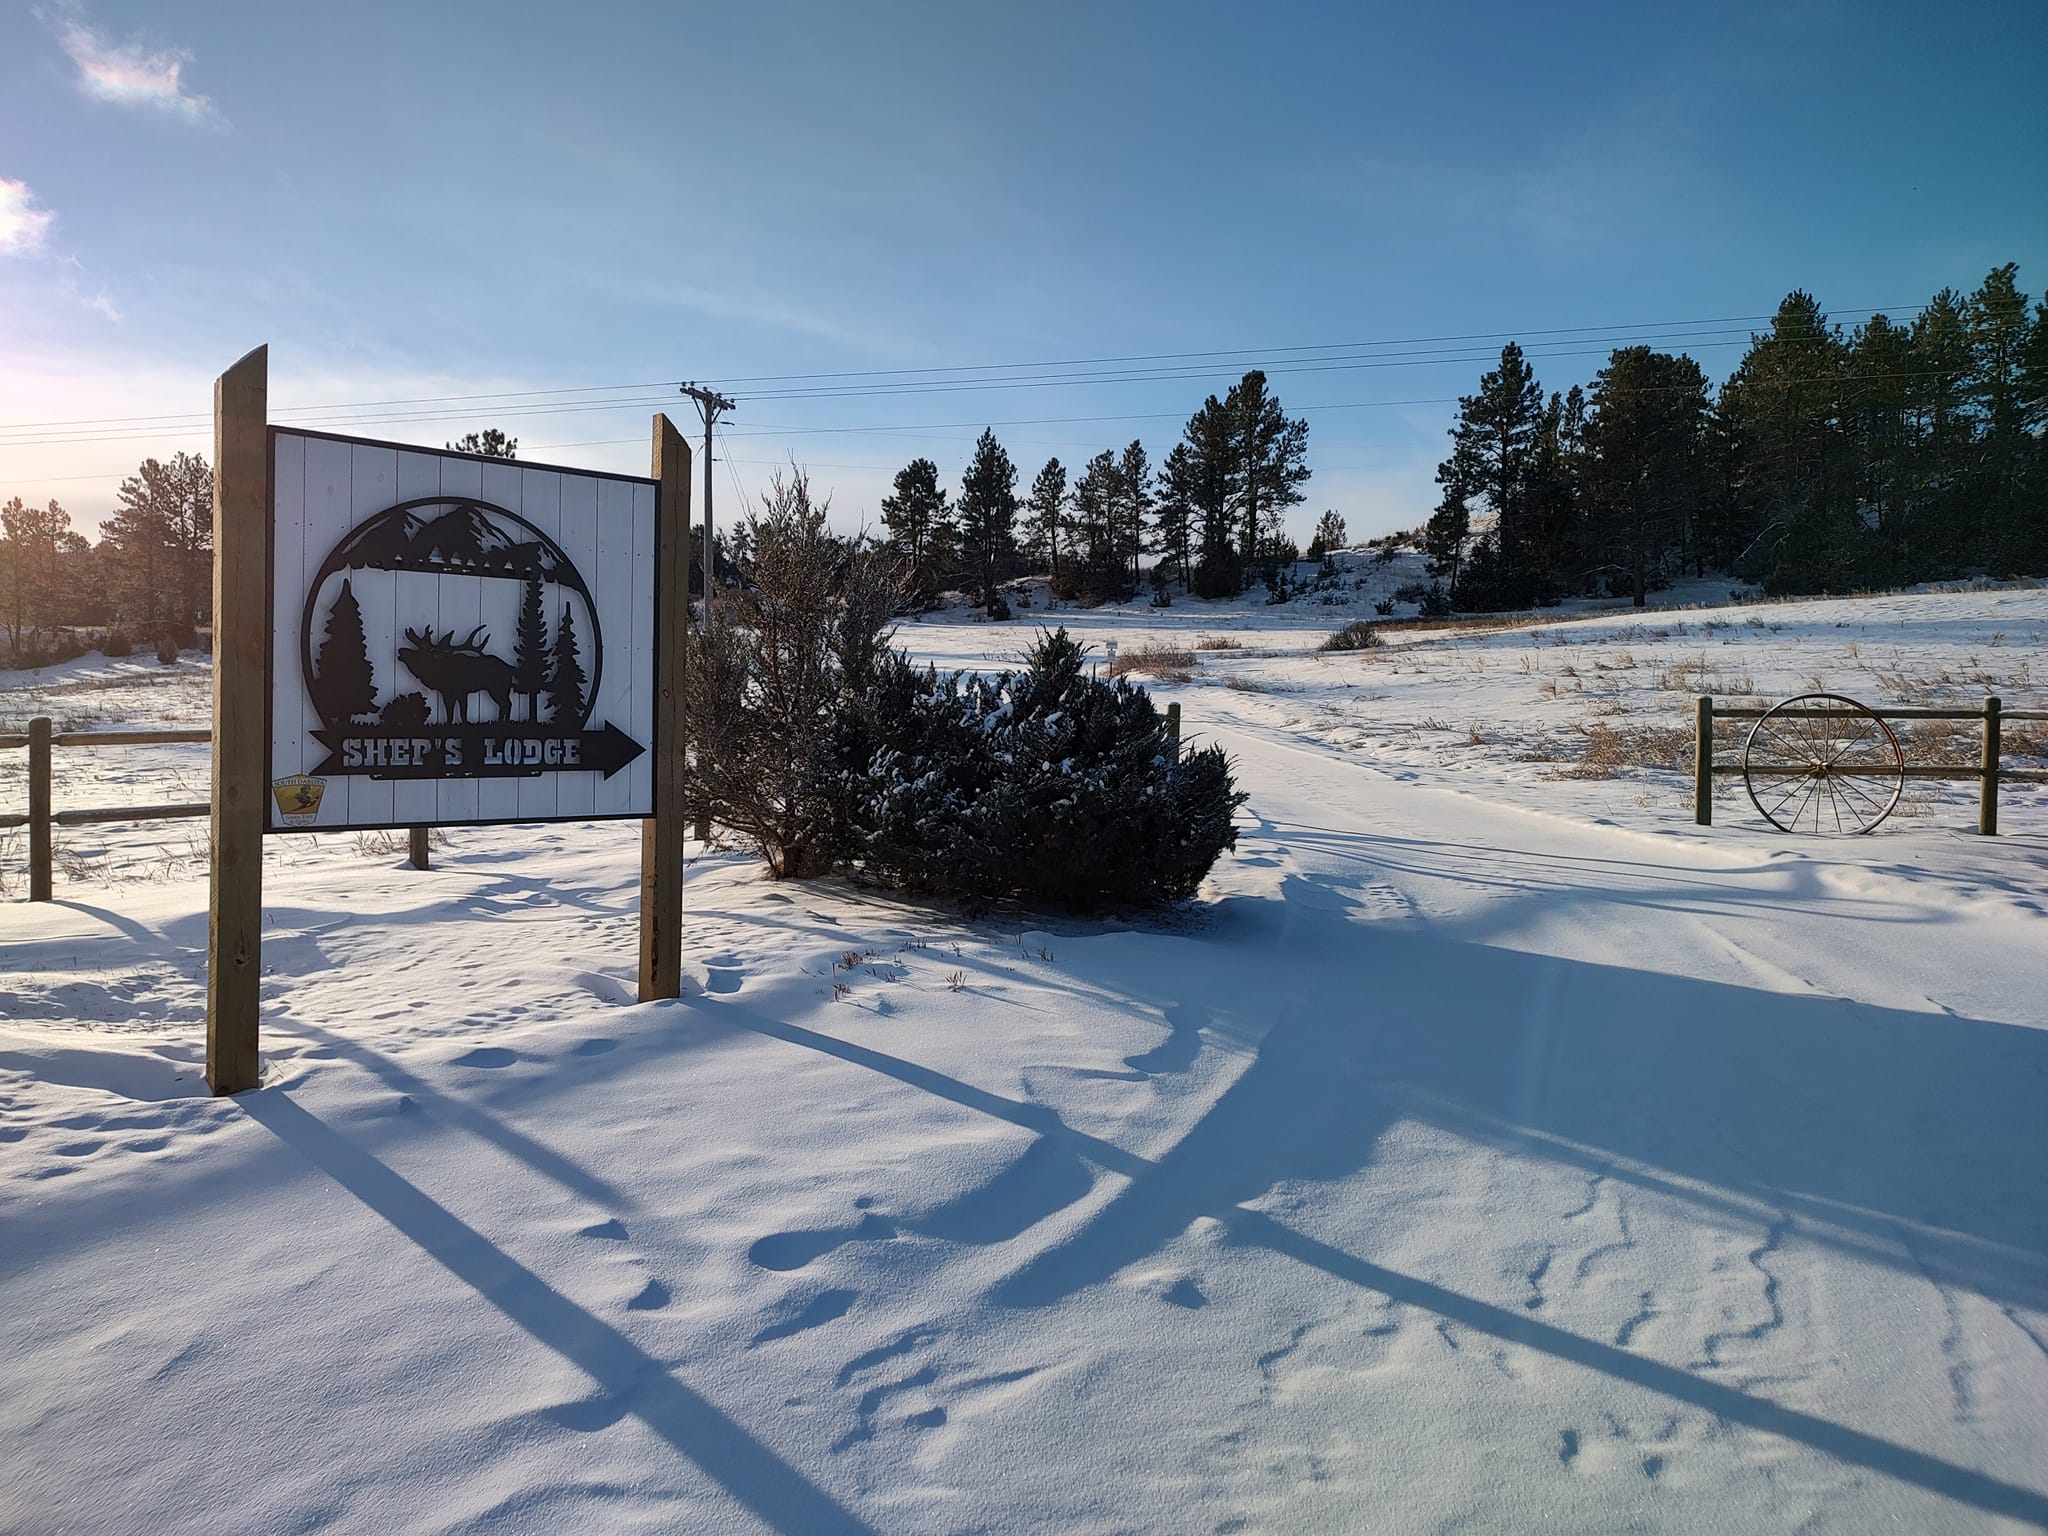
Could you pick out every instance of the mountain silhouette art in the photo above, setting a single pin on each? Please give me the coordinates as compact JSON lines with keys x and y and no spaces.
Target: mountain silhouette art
{"x":466,"y":537}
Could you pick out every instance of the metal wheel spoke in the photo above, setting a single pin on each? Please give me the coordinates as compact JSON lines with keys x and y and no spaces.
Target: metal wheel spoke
{"x":1790,"y":795}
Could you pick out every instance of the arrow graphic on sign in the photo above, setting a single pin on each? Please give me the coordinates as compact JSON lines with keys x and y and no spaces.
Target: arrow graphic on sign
{"x":501,"y":751}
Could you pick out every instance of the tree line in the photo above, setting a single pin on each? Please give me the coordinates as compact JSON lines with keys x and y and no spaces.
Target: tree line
{"x":1213,"y":510}
{"x":1828,"y":461}
{"x":147,"y":580}
{"x":149,"y":576}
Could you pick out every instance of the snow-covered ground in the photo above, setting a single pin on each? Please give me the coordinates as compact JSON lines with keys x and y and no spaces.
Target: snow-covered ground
{"x":1489,"y":1148}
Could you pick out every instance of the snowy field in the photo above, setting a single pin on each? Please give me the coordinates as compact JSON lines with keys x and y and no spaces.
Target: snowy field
{"x":1489,"y":1148}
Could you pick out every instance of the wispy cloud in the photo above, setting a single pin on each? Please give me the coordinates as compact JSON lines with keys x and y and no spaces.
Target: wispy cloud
{"x":23,"y":226}
{"x":128,"y":74}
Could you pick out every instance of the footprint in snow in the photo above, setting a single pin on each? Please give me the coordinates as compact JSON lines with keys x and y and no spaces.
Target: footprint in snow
{"x":613,"y":1230}
{"x":825,"y":1307}
{"x":487,"y":1056}
{"x":793,"y":1250}
{"x":652,"y":1298}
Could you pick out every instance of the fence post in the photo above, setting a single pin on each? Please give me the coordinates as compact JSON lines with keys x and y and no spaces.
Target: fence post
{"x":1173,"y":729}
{"x":1987,"y":807}
{"x":1703,"y":762}
{"x":39,"y":808}
{"x":418,"y":836}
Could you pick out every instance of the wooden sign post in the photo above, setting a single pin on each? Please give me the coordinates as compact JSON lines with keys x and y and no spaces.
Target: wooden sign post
{"x":241,"y":691}
{"x":661,"y":835}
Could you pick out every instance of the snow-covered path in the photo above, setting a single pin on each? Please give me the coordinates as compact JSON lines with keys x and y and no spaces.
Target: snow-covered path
{"x":1456,"y":1166}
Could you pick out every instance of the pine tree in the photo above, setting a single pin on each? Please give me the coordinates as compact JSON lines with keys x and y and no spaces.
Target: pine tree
{"x":920,"y":524}
{"x":1792,"y":478}
{"x":1996,"y":326}
{"x":1271,"y":453}
{"x":1489,"y":463}
{"x":34,"y":540}
{"x":530,"y":650}
{"x":1647,"y":435}
{"x":1134,"y":501}
{"x":1045,"y":508}
{"x":566,"y":681}
{"x":491,"y":443}
{"x":344,"y":686}
{"x":1210,"y":481}
{"x":1445,"y":537}
{"x":1093,"y":545}
{"x":1174,"y":515}
{"x":161,"y":542}
{"x":988,"y":516}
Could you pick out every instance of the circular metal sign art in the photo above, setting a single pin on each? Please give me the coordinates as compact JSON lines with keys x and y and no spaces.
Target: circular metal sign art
{"x":507,"y":697}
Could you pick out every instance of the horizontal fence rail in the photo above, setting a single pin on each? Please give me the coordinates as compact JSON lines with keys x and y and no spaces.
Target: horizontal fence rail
{"x":1989,"y":772}
{"x":42,"y":816}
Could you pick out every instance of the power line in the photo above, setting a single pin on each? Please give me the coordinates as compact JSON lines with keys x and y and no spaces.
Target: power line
{"x":1335,"y":354}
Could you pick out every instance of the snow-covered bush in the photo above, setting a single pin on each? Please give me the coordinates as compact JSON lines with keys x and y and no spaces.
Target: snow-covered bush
{"x":1044,"y":786}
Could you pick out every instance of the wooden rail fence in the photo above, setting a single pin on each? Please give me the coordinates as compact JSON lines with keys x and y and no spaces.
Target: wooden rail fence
{"x":1988,"y":773}
{"x":43,"y":817}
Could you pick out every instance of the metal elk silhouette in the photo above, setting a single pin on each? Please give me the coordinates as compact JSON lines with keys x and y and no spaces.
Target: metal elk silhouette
{"x":457,"y":672}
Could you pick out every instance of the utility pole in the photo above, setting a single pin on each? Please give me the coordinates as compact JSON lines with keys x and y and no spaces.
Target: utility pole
{"x":710,"y":404}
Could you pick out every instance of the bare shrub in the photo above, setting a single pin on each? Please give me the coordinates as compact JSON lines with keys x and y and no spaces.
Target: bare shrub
{"x":1219,"y":643}
{"x":810,"y":620}
{"x":1607,"y":750}
{"x":1167,"y":663}
{"x":1358,"y":635}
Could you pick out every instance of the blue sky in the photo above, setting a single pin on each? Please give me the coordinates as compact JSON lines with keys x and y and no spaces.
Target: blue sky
{"x":426,"y":200}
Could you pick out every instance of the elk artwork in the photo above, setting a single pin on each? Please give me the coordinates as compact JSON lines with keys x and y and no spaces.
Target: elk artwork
{"x":456,"y":672}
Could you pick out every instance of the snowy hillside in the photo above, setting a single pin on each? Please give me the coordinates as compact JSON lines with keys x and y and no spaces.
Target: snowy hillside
{"x":1489,"y":1148}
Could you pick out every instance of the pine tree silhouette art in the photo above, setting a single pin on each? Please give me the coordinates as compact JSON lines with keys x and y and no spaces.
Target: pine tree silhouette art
{"x":343,"y":684}
{"x":530,"y":651}
{"x":566,"y":681}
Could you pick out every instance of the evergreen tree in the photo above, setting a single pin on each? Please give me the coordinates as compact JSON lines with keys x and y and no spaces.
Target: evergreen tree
{"x":988,"y":516}
{"x":1792,"y":478}
{"x":1045,"y":508}
{"x":1491,"y":446}
{"x":1329,"y":535}
{"x":34,"y":541}
{"x":1093,"y":543}
{"x":1996,"y":326}
{"x":345,"y":687}
{"x":1271,"y":454}
{"x":1173,"y":515}
{"x":1878,"y":418}
{"x":1210,"y":480}
{"x":1134,"y":502}
{"x":161,"y":543}
{"x":489,"y":443}
{"x":566,"y":680}
{"x":530,"y":650}
{"x":1551,"y":522}
{"x":920,"y":525}
{"x":1943,"y":530}
{"x":1647,"y":436}
{"x":1445,"y":538}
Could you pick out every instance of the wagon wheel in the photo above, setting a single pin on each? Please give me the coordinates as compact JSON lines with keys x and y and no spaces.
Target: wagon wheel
{"x":1823,"y":763}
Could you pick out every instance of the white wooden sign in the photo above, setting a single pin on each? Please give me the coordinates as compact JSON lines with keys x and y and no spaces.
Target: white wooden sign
{"x":456,"y":640}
